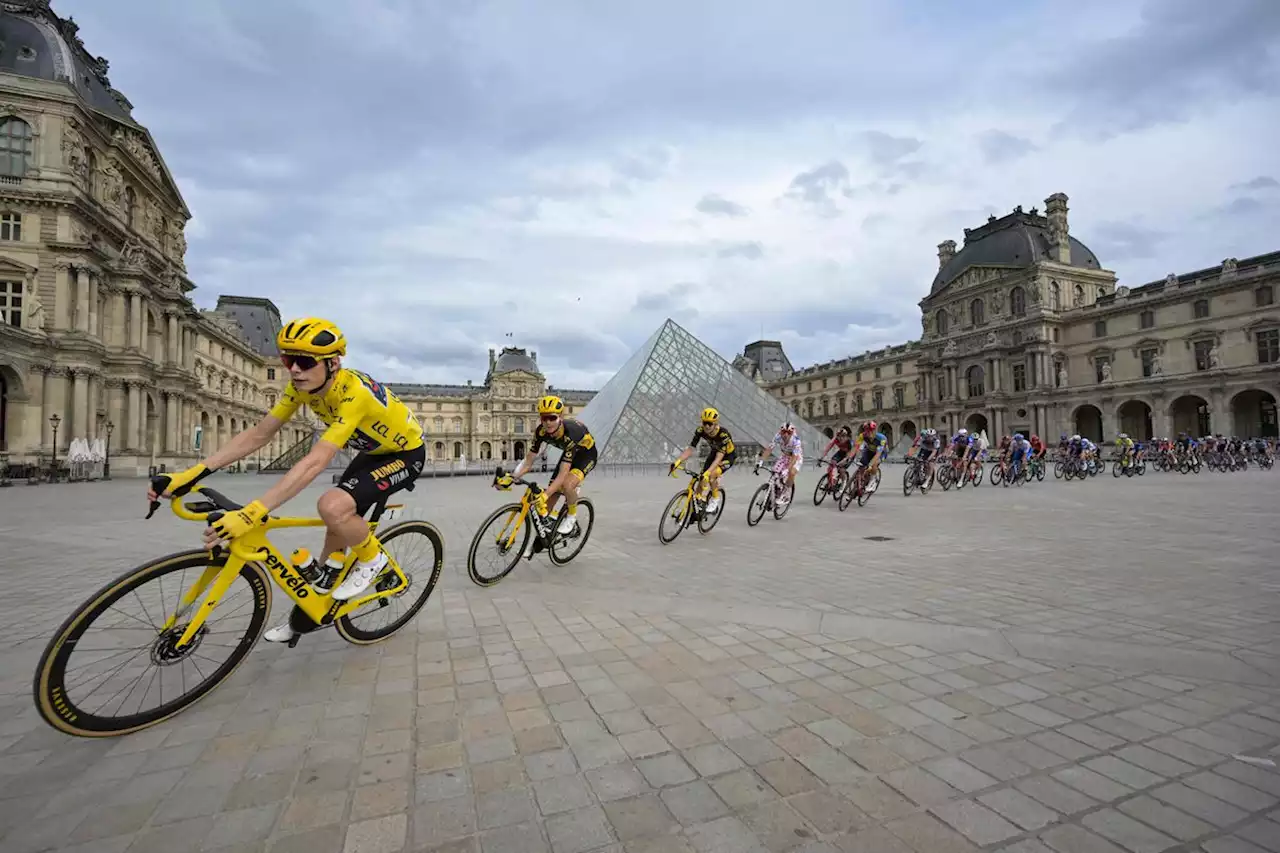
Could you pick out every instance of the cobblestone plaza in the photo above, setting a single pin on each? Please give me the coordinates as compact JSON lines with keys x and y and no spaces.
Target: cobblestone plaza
{"x":1061,"y":667}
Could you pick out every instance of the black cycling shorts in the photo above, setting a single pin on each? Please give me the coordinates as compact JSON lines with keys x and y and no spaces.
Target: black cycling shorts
{"x":371,"y":478}
{"x":725,"y":463}
{"x":925,"y":451}
{"x":840,"y":456}
{"x":868,"y":453}
{"x":584,"y":459}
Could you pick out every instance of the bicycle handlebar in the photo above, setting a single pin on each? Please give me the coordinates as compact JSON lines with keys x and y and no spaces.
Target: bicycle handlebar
{"x":519,"y":481}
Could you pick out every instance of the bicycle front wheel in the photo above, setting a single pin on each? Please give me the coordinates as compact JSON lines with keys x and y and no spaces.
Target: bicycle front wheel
{"x":119,"y":632}
{"x":564,"y":547}
{"x":675,"y":518}
{"x":418,"y":549}
{"x":755,"y":509}
{"x":496,"y":531}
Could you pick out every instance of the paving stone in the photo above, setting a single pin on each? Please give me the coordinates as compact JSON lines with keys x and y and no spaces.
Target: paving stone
{"x":924,"y":833}
{"x":1076,"y":839}
{"x":694,"y":803}
{"x":616,"y":782}
{"x":724,"y":835}
{"x":578,"y":831}
{"x":1020,"y":809}
{"x":1178,"y":824}
{"x":959,"y":775}
{"x":1055,"y":795}
{"x":380,"y":835}
{"x":639,"y":817}
{"x":975,"y":822}
{"x":1230,"y":791}
{"x":665,"y":770}
{"x":562,"y":794}
{"x":1200,"y":804}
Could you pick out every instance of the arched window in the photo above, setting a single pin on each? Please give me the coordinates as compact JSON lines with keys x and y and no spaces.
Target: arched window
{"x":439,"y":454}
{"x":1077,"y":297}
{"x":1055,"y":296}
{"x":975,"y":376}
{"x":1018,"y":302}
{"x":130,"y":205}
{"x":518,"y":425}
{"x":943,"y":320}
{"x":977,"y":312}
{"x":16,"y":147}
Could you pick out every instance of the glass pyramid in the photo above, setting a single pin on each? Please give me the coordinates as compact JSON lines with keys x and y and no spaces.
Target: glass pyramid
{"x":650,"y":408}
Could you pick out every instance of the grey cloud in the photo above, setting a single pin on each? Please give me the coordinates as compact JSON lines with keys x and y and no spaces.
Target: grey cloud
{"x":819,"y":186}
{"x":715,"y":205}
{"x":1243,"y":206}
{"x":885,"y":149}
{"x":663,"y":301}
{"x":1262,"y":182}
{"x":873,"y":222}
{"x":1184,"y":56}
{"x":1118,"y":241}
{"x":751,"y":250}
{"x":997,"y":146}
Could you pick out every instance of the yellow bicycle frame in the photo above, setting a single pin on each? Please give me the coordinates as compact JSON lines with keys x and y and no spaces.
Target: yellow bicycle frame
{"x":255,"y":547}
{"x":525,"y":506}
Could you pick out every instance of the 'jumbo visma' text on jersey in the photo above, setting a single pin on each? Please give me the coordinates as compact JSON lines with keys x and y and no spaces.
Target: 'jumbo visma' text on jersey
{"x":575,"y":436}
{"x":721,"y":442}
{"x":362,"y":414}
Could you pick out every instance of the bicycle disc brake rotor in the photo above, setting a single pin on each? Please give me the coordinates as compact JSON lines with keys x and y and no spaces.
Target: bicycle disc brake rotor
{"x":165,"y":651}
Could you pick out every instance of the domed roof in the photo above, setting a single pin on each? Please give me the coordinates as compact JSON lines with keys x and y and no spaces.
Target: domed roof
{"x":1018,"y":240}
{"x":514,"y":358}
{"x":34,"y":42}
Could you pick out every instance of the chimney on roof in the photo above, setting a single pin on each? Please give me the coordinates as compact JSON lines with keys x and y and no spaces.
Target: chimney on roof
{"x":946,"y":251}
{"x":1055,"y":207}
{"x":468,"y":383}
{"x":534,"y":356}
{"x":492,"y":358}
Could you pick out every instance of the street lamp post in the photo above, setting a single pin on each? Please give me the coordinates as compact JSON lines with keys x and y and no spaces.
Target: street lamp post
{"x":54,"y":420}
{"x":106,"y":462}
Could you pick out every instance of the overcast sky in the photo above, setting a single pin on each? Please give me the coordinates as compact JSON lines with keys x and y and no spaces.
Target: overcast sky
{"x":433,"y":176}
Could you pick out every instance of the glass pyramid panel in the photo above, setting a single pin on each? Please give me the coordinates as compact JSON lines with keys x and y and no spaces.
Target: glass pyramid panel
{"x":649,"y":410}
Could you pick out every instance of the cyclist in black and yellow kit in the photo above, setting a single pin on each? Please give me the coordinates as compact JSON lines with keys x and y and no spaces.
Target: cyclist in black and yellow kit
{"x":721,"y":458}
{"x":362,"y":415}
{"x":576,"y":462}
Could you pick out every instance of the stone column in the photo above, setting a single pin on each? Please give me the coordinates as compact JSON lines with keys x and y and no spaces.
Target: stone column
{"x":79,"y":425}
{"x":174,"y":343}
{"x":171,"y":421}
{"x":91,"y":410}
{"x":135,"y":427}
{"x":93,"y":306}
{"x":135,"y":320}
{"x":115,"y":411}
{"x":52,"y":402}
{"x":82,"y":299}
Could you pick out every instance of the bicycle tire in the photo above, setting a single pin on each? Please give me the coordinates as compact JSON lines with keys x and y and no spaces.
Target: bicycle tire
{"x":779,"y":512}
{"x":757,"y":500}
{"x":867,"y":491}
{"x":526,"y":527}
{"x":49,"y":687}
{"x":820,"y":491}
{"x":703,"y":527}
{"x":558,"y":541}
{"x":908,"y":481}
{"x":346,"y":625}
{"x":666,"y":515}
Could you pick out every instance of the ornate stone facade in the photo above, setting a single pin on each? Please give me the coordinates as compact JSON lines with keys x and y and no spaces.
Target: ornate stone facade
{"x":1025,"y":331}
{"x":494,"y":420}
{"x":96,"y":325}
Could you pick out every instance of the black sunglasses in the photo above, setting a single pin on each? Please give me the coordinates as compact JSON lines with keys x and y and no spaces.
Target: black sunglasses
{"x":304,"y":362}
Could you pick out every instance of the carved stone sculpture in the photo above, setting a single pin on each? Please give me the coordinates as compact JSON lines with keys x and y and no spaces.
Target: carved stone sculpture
{"x":991,"y":339}
{"x":73,"y":151}
{"x":950,"y":348}
{"x":1122,"y":291}
{"x":112,"y":184}
{"x":1229,"y":268}
{"x":1106,"y":371}
{"x":35,"y":309}
{"x":130,"y":254}
{"x":1171,"y":279}
{"x":1215,"y":361}
{"x":1062,"y":376}
{"x":177,"y":241}
{"x":997,"y":302}
{"x":1033,"y":293}
{"x":151,"y":219}
{"x":1157,"y":366}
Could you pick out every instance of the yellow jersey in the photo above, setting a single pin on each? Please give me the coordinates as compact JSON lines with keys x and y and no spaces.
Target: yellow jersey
{"x":362,"y":414}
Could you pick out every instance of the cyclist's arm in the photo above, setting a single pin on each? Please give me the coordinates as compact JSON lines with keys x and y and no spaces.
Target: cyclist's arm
{"x":301,"y":474}
{"x":242,"y":444}
{"x":526,"y":464}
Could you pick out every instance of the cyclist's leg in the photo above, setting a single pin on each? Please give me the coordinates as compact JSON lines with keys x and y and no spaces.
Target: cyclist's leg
{"x":377,"y":478}
{"x":583,"y":461}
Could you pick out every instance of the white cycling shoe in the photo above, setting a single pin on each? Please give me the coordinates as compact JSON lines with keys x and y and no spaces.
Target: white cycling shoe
{"x":359,"y":578}
{"x":280,"y":634}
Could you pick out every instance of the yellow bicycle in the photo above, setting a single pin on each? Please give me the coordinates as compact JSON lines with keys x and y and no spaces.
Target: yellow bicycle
{"x":164,"y":649}
{"x":512,"y":533}
{"x":688,"y":507}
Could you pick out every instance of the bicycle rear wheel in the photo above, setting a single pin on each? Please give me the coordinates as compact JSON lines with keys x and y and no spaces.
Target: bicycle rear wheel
{"x":405,"y":541}
{"x":564,"y":548}
{"x":505,"y":517}
{"x":707,"y":522}
{"x":64,"y":694}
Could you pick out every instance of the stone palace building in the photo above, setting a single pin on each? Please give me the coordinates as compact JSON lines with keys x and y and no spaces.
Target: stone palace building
{"x":1024,"y":330}
{"x":98,"y":335}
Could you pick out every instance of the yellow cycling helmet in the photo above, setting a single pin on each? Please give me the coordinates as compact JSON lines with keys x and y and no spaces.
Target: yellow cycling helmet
{"x":710,"y":415}
{"x":311,"y":336}
{"x":550,"y":406}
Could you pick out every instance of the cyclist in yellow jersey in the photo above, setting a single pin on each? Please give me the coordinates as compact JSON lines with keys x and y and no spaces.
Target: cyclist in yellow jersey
{"x":362,"y":415}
